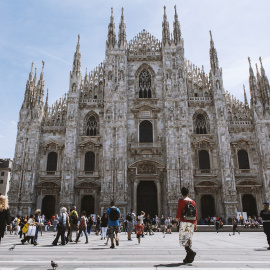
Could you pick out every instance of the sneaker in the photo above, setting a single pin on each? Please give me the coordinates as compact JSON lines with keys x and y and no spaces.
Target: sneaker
{"x":268,"y":248}
{"x":22,"y":242}
{"x":112,"y":246}
{"x":35,"y":243}
{"x":117,"y":242}
{"x":86,"y":242}
{"x":130,"y":239}
{"x":106,"y":243}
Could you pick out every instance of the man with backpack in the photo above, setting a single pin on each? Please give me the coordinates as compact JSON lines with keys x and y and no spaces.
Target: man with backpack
{"x":187,"y":213}
{"x":130,"y":223}
{"x":113,"y":213}
{"x":73,"y":219}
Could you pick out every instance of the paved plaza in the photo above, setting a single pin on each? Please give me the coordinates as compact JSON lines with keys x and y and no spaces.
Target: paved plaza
{"x":214,"y":250}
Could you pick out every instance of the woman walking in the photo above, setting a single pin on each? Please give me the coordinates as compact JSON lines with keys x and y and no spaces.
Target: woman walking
{"x":98,"y":226}
{"x":61,"y":227}
{"x":30,"y":234}
{"x":4,"y":216}
{"x":82,"y":227}
{"x":104,"y":226}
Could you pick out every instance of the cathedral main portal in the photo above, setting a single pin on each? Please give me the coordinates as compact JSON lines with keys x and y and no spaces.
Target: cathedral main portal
{"x":147,"y":198}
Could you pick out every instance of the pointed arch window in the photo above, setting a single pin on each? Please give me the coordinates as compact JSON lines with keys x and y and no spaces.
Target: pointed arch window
{"x":146,"y":132}
{"x":52,"y":162}
{"x":89,"y":162}
{"x":204,"y":160}
{"x":145,"y":84}
{"x":201,"y":126}
{"x":91,"y":126}
{"x":243,"y":160}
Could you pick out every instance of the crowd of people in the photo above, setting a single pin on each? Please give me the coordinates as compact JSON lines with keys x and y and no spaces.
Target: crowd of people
{"x":71,"y":227}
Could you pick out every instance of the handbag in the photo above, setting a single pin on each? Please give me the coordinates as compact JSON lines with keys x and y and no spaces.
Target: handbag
{"x":31,"y":231}
{"x":25,"y":228}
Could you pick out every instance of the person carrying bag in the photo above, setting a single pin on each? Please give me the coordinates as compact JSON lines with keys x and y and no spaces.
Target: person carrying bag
{"x":31,"y":230}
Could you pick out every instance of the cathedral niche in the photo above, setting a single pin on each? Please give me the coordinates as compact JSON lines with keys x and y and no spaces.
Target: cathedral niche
{"x":91,"y":125}
{"x":243,"y":160}
{"x":145,"y":84}
{"x":146,"y":132}
{"x":89,"y":161}
{"x":52,"y":162}
{"x":201,"y":123}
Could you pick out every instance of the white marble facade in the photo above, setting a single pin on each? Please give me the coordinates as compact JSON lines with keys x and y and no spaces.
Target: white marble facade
{"x":141,"y":124}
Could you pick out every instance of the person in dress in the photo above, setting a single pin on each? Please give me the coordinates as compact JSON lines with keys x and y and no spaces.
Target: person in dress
{"x":4,"y":216}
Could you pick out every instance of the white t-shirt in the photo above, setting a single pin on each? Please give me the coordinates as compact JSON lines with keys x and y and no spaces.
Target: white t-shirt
{"x":141,"y":218}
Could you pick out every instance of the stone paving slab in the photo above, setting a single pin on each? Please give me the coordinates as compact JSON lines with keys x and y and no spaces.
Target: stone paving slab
{"x":214,"y":251}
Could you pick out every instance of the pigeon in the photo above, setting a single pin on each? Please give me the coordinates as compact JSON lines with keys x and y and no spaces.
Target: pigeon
{"x":230,"y":234}
{"x":54,"y":265}
{"x":164,"y":236}
{"x":12,"y":248}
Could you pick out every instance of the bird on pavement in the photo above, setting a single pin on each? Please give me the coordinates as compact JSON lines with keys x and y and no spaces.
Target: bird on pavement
{"x":12,"y":248}
{"x":54,"y":265}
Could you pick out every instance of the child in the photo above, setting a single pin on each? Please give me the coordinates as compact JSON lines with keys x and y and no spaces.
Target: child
{"x":139,"y":230}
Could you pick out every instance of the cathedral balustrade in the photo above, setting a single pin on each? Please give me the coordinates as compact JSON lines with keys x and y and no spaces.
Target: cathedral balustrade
{"x":50,"y":174}
{"x":60,"y":129}
{"x":240,"y":123}
{"x":245,"y":172}
{"x":206,"y":172}
{"x":198,"y":100}
{"x":89,"y":175}
{"x":154,"y":148}
{"x":91,"y":102}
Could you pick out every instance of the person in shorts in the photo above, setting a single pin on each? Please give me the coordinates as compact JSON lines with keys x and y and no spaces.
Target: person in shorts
{"x":113,"y":213}
{"x":139,"y":230}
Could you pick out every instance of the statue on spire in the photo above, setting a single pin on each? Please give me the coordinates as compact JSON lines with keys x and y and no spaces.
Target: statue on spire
{"x":122,"y":41}
{"x":213,"y":55}
{"x":111,"y":32}
{"x":176,"y":28}
{"x":165,"y":29}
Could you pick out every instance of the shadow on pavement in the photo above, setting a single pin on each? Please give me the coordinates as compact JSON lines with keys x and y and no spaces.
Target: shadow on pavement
{"x":260,"y":249}
{"x":169,"y":265}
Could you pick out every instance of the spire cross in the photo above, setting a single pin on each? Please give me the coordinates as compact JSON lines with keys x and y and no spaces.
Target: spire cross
{"x":43,"y":63}
{"x":122,"y":11}
{"x":32,"y":66}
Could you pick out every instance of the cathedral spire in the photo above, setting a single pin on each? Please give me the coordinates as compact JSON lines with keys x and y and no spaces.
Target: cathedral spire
{"x":77,"y":59}
{"x":265,"y":87}
{"x":35,"y":77}
{"x":40,"y":86}
{"x":31,"y":72}
{"x":165,"y":29}
{"x":122,"y":40}
{"x":46,"y":106}
{"x":213,"y":55}
{"x":245,"y":95}
{"x":252,"y":84}
{"x":111,"y":32}
{"x":176,"y":28}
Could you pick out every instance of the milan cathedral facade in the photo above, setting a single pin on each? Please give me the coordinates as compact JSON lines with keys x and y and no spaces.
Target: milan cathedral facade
{"x":134,"y":130}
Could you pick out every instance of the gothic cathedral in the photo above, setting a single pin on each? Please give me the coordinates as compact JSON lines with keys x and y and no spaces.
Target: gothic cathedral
{"x":137,"y":128}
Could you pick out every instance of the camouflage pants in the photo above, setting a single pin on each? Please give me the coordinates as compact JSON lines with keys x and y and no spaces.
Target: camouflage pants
{"x":185,"y":234}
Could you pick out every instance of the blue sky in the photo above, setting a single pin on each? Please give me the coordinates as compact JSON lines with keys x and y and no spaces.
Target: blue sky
{"x":33,"y":30}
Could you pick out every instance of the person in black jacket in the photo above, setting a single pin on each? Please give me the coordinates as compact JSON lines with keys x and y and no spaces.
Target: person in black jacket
{"x":4,"y":216}
{"x":265,"y":215}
